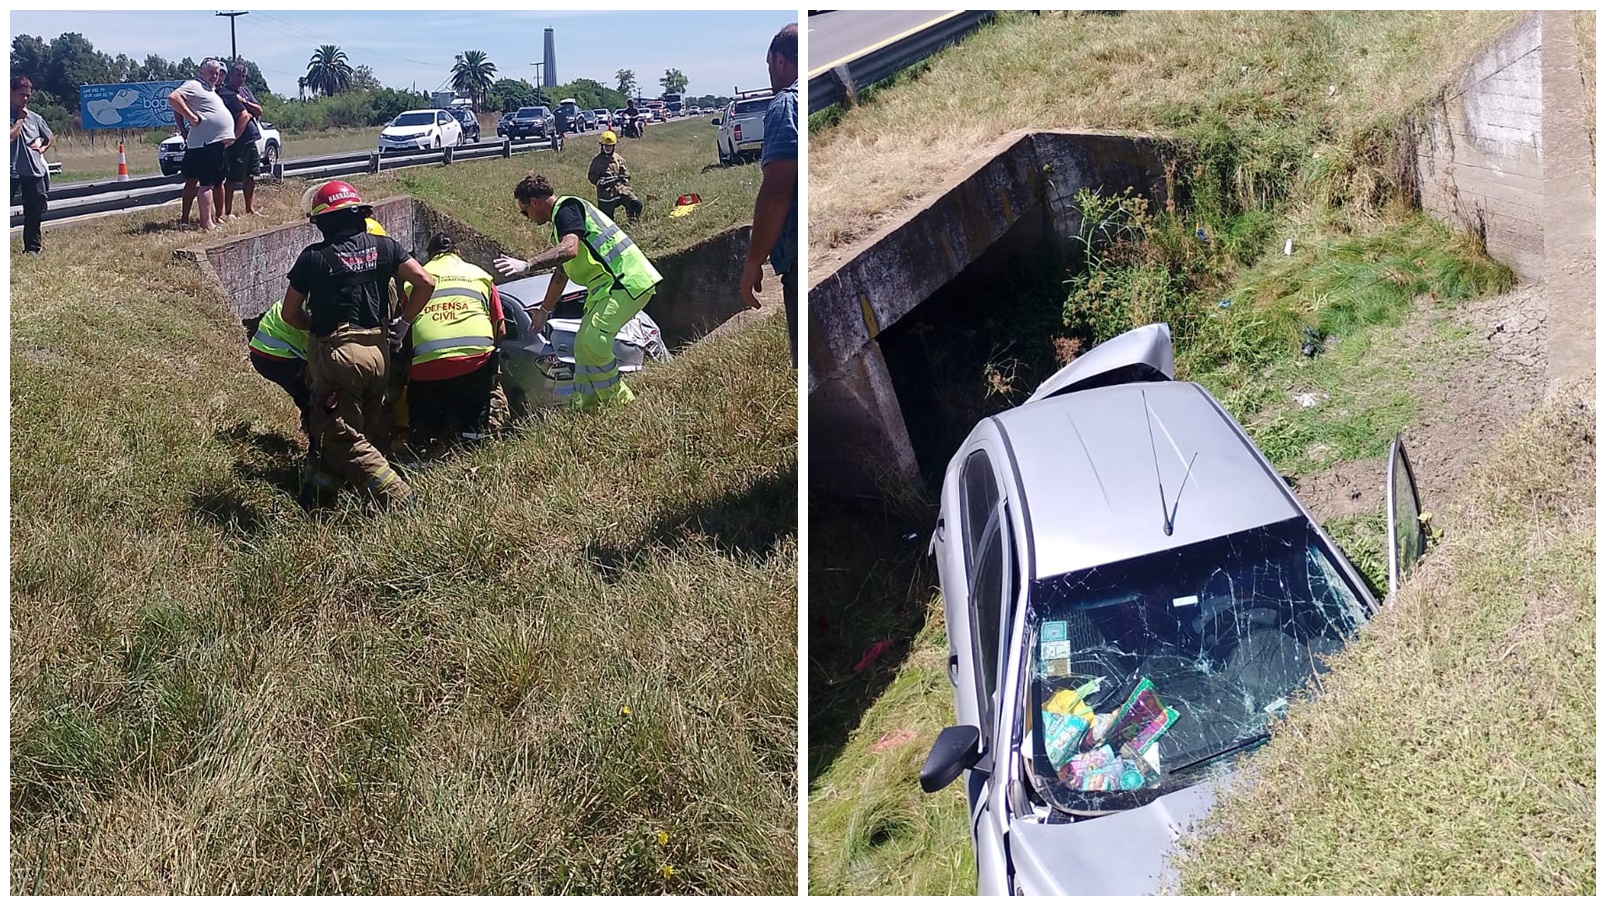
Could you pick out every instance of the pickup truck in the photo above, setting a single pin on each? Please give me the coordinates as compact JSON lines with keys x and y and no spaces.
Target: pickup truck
{"x":741,"y":127}
{"x":170,"y":153}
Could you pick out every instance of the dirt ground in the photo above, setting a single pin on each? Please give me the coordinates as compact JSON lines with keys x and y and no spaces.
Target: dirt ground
{"x":1465,"y":405}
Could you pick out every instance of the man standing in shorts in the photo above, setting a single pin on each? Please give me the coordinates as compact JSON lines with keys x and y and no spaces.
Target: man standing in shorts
{"x":244,"y":159}
{"x":211,"y":132}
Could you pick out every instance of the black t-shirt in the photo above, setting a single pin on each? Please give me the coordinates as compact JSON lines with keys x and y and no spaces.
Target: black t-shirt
{"x":570,"y":217}
{"x":346,"y":279}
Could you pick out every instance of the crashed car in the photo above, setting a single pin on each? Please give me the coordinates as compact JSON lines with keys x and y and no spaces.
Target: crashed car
{"x":1132,"y":596}
{"x":533,"y":364}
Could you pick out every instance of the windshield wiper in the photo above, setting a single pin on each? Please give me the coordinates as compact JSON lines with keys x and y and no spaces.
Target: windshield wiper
{"x":1238,"y":746}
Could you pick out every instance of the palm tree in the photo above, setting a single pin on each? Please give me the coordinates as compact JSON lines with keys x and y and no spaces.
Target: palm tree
{"x":473,"y":75}
{"x":327,"y":71}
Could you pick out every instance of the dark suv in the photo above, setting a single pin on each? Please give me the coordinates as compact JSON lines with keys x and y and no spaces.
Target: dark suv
{"x":531,"y":122}
{"x":471,"y":123}
{"x":569,"y":117}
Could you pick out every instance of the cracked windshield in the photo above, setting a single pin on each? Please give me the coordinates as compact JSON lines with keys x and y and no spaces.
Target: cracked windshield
{"x":1145,"y":673}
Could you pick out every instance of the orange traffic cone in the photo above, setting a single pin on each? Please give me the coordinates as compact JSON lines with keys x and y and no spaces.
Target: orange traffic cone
{"x":122,"y":164}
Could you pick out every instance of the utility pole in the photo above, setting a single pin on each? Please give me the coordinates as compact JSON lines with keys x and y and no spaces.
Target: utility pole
{"x":233,"y":48}
{"x":539,"y":94}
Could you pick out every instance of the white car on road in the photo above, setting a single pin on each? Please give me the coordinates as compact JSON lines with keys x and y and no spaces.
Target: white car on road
{"x":415,"y":130}
{"x":170,"y":153}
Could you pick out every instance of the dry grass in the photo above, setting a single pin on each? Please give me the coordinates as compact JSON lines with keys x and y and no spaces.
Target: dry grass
{"x":572,"y":669}
{"x":1452,"y":751}
{"x":1135,"y":72}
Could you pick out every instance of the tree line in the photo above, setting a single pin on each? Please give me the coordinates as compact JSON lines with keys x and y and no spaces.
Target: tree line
{"x":332,"y":94}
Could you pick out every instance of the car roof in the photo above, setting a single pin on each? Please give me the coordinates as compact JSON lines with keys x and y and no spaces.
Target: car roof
{"x":1092,"y":484}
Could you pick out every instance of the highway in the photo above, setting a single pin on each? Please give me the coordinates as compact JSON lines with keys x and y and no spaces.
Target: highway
{"x":838,"y":36}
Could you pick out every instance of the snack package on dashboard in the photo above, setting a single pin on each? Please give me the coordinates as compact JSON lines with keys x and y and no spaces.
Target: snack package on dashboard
{"x":1062,"y":733}
{"x":1141,"y":720}
{"x":1083,"y":763}
{"x":1074,"y":701}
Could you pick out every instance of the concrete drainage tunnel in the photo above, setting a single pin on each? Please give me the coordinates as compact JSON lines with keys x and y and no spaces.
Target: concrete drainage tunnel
{"x":896,"y":379}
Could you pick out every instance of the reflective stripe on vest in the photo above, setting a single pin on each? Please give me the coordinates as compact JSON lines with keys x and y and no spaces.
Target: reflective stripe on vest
{"x":446,"y":328}
{"x":608,"y":258}
{"x":275,"y":338}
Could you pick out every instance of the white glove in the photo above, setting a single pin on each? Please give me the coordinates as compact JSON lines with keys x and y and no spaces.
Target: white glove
{"x":398,"y":333}
{"x":508,"y":265}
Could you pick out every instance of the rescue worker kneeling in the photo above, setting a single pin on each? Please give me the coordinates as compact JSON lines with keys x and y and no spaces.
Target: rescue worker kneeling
{"x":453,"y":378}
{"x":342,"y":281}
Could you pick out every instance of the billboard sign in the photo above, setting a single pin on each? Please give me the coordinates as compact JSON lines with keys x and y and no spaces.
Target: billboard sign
{"x":128,"y":105}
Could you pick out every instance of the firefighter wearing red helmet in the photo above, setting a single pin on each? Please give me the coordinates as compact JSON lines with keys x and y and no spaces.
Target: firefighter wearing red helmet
{"x":338,"y":294}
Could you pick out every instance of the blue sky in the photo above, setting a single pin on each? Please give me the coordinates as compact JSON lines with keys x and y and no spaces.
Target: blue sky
{"x":716,"y":50}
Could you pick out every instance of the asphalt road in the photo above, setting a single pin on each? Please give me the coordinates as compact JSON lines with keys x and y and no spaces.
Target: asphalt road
{"x":843,"y":34}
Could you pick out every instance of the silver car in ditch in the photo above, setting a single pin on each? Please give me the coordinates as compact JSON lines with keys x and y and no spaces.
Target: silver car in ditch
{"x":533,"y":364}
{"x":1132,"y":596}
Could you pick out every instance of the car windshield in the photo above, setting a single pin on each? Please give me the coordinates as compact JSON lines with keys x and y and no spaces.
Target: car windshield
{"x":532,"y":111}
{"x":1145,"y":674}
{"x":423,"y":118}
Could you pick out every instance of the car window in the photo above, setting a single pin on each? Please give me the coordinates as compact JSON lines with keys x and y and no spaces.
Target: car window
{"x":441,"y":118}
{"x":1407,"y":537}
{"x":980,"y":497}
{"x":747,"y":107}
{"x":987,"y":585}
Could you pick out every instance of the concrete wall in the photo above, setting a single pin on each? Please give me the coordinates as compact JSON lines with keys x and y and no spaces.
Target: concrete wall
{"x":699,"y":292}
{"x":701,"y":287}
{"x":252,"y":269}
{"x":1480,"y":160}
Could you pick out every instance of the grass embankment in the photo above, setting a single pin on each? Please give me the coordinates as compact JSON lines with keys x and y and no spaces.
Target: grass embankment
{"x":571,"y":669}
{"x":1453,"y":749}
{"x":1245,"y":96}
{"x":1250,"y":84}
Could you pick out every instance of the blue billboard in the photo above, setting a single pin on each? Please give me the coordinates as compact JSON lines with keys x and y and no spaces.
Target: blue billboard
{"x":129,"y":105}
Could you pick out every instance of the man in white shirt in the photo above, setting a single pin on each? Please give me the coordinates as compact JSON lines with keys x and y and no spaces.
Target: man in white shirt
{"x":211,"y":132}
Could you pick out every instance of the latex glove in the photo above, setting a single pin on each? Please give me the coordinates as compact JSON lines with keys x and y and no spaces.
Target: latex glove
{"x":507,"y":265}
{"x":538,"y":316}
{"x":398,"y":333}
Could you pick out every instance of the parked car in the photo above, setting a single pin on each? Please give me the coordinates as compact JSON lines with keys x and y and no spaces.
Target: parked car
{"x":741,"y":127}
{"x":414,"y":130}
{"x":170,"y":153}
{"x":1132,"y":596}
{"x":569,"y":116}
{"x":533,"y":363}
{"x":531,"y":122}
{"x":469,"y":122}
{"x":501,"y":124}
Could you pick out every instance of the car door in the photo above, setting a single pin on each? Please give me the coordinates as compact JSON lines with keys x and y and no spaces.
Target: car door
{"x":995,"y":590}
{"x":1407,"y":537}
{"x":451,"y":133}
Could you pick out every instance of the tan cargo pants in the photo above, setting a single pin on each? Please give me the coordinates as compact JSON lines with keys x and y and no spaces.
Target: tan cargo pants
{"x":348,"y":371}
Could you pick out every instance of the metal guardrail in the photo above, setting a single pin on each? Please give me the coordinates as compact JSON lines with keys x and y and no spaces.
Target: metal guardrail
{"x":843,"y":82}
{"x":109,"y":196}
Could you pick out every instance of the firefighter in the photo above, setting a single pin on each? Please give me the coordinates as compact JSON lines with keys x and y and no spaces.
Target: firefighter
{"x":453,"y":378}
{"x":612,"y":179}
{"x":618,"y":278}
{"x":338,"y":294}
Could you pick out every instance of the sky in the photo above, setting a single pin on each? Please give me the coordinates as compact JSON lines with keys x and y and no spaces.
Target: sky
{"x":716,"y":50}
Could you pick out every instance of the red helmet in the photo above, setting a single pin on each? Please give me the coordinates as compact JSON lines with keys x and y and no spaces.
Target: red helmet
{"x":334,"y":195}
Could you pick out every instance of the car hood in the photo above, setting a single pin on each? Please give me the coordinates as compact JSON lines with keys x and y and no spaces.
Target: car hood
{"x":405,"y":131}
{"x":1124,"y":853}
{"x":1145,"y":349}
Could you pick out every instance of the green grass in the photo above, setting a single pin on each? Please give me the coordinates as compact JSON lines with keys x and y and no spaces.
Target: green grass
{"x":1453,"y":749}
{"x":1247,"y":91}
{"x":523,"y":685}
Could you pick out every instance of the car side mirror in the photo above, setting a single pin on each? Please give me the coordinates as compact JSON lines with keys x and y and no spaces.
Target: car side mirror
{"x":956,"y":750}
{"x":716,"y":121}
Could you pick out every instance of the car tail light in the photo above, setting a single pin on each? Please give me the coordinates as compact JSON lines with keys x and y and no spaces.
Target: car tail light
{"x":737,"y":131}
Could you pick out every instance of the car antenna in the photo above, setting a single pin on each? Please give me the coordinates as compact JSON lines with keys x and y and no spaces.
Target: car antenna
{"x":1168,"y":518}
{"x":1154,"y":454}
